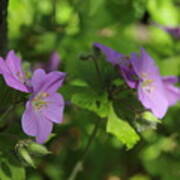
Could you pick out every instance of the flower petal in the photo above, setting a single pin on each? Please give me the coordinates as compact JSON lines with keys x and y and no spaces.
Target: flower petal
{"x":55,"y":109}
{"x":144,"y":64}
{"x":172,"y":92}
{"x":14,"y":63}
{"x":123,"y":63}
{"x":14,"y":83}
{"x":56,"y":99}
{"x":173,"y":31}
{"x":47,"y":82}
{"x":170,"y":79}
{"x":3,"y":67}
{"x":38,"y":79}
{"x":11,"y":71}
{"x":53,"y":63}
{"x":44,"y":128}
{"x":154,"y":100}
{"x":129,"y":76}
{"x":53,"y":81}
{"x":29,"y":120}
{"x":112,"y":56}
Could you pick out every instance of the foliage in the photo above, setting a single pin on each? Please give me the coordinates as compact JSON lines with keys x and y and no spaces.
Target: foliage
{"x":130,"y":144}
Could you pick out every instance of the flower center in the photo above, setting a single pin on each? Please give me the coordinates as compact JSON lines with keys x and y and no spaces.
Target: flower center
{"x":39,"y":101}
{"x":20,"y":77}
{"x":148,"y":85}
{"x":147,"y":82}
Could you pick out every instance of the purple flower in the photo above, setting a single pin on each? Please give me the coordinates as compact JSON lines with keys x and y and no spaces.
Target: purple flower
{"x":12,"y":72}
{"x":155,"y":92}
{"x":172,"y":92}
{"x":45,"y":106}
{"x":111,"y":55}
{"x":121,"y":61}
{"x":173,"y":31}
{"x":51,"y":65}
{"x":53,"y":62}
{"x":151,"y":91}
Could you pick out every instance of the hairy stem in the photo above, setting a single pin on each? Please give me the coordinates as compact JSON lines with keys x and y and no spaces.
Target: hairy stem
{"x":9,"y":109}
{"x":79,"y":165}
{"x":3,"y":26}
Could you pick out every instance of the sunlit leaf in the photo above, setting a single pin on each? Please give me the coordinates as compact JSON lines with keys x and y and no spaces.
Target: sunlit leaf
{"x":93,"y":102}
{"x":163,"y":12}
{"x":121,"y":129}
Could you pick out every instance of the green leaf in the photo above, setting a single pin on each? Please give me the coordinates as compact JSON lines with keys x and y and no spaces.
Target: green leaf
{"x":163,"y":12}
{"x":9,"y":170}
{"x":3,"y":175}
{"x":92,"y":101}
{"x":18,"y":172}
{"x":121,"y":129}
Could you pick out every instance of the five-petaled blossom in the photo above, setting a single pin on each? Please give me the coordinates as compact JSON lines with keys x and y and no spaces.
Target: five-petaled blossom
{"x":156,"y":93}
{"x":151,"y":91}
{"x":11,"y":69}
{"x":45,"y":106}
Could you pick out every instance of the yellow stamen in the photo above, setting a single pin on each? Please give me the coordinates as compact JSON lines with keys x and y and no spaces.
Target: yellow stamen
{"x":39,"y":102}
{"x":147,"y":82}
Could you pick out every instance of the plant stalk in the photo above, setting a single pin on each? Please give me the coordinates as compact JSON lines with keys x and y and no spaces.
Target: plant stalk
{"x":79,"y":165}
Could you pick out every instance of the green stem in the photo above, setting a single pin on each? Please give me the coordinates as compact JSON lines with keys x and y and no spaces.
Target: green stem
{"x":5,"y":125}
{"x":6,"y":112}
{"x":79,"y":165}
{"x":97,"y":69}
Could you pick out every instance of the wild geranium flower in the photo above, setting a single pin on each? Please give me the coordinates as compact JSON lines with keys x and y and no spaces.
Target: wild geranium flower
{"x":155,"y":92}
{"x":121,"y":61}
{"x":53,"y":62}
{"x":45,"y":106}
{"x":11,"y":69}
{"x":51,"y":65}
{"x":151,"y":91}
{"x":172,"y":92}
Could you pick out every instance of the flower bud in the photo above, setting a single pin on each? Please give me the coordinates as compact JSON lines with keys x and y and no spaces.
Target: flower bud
{"x":25,"y":156}
{"x":37,"y":149}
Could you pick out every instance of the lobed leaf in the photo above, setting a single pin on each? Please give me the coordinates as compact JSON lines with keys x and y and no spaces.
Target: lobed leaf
{"x":93,"y":102}
{"x":121,"y":129}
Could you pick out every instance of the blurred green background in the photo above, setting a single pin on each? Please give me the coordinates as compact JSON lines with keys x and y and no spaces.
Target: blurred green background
{"x":70,"y":27}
